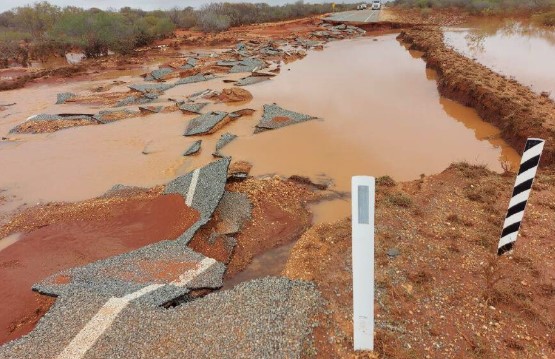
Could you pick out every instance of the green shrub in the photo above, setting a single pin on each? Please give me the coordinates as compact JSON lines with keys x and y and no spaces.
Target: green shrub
{"x":213,"y":22}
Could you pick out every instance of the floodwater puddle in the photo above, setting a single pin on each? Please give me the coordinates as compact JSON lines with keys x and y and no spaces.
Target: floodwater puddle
{"x":269,"y":263}
{"x":375,"y":118}
{"x":516,"y":49}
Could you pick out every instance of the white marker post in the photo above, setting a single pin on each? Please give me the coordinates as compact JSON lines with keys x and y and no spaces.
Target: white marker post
{"x":363,"y":198}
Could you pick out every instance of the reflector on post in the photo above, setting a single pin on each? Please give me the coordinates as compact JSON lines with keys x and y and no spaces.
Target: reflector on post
{"x":363,"y":198}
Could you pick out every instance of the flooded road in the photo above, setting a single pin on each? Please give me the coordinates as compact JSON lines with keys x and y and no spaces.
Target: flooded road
{"x":381,"y":114}
{"x":379,"y":109}
{"x":523,"y":51}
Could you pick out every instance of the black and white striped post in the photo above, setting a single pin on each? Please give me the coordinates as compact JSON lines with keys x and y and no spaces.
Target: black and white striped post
{"x":521,"y":192}
{"x":363,"y":198}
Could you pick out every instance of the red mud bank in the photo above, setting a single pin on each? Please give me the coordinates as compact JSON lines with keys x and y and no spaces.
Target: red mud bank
{"x":61,"y":236}
{"x":516,"y":110}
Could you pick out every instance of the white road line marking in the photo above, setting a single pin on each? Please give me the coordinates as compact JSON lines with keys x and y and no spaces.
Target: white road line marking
{"x":188,"y":276}
{"x":102,"y":320}
{"x":371,"y":14}
{"x":192,"y":188}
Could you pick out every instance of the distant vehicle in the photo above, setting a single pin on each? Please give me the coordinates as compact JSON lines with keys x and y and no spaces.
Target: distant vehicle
{"x":376,"y":4}
{"x":362,"y":7}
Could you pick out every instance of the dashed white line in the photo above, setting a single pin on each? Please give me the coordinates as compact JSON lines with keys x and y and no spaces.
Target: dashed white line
{"x":192,"y":188}
{"x":102,"y":320}
{"x":188,"y":276}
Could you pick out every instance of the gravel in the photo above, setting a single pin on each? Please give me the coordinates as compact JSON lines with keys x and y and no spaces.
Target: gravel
{"x":264,"y":318}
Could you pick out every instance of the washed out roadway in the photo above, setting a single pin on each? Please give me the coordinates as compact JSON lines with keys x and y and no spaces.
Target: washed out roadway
{"x":356,"y":16}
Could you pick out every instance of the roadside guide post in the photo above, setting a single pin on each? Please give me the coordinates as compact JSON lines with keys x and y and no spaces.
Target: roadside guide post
{"x":521,"y":191}
{"x":363,"y":198}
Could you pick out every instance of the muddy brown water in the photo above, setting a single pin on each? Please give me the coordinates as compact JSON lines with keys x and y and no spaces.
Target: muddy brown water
{"x":516,"y":49}
{"x":379,"y":109}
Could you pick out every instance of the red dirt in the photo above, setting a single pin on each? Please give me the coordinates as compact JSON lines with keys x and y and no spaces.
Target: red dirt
{"x":62,"y":236}
{"x":447,"y":295}
{"x":279,"y":216}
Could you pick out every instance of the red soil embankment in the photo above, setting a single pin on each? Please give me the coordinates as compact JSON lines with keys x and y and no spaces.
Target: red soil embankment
{"x":517,"y":111}
{"x":61,"y":236}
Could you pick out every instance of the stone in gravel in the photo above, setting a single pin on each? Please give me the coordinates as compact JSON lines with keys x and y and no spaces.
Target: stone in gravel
{"x":189,"y":108}
{"x":203,"y":124}
{"x":393,"y":252}
{"x":193,"y":149}
{"x":277,"y":117}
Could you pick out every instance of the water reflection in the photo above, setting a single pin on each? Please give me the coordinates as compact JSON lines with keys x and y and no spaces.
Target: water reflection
{"x":518,"y":49}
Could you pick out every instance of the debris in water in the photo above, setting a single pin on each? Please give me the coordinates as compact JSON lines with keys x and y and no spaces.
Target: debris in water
{"x":277,"y":117}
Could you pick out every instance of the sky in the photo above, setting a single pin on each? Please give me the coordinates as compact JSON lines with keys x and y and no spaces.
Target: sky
{"x":142,"y":4}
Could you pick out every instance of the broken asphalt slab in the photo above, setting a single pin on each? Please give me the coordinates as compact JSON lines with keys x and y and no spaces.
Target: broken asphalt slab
{"x":193,"y":149}
{"x":277,"y":117}
{"x":222,"y":142}
{"x":205,"y":123}
{"x":202,"y":190}
{"x":266,"y":318}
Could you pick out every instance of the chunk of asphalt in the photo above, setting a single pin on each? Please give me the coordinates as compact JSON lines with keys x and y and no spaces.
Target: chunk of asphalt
{"x":251,"y":80}
{"x":160,"y":73}
{"x":393,"y":252}
{"x":222,"y":142}
{"x":151,"y":109}
{"x":49,"y":117}
{"x":151,"y":88}
{"x":107,"y":116}
{"x":234,"y":210}
{"x":192,"y":107}
{"x":227,"y":63}
{"x":277,"y":117}
{"x":264,"y":318}
{"x":193,"y":79}
{"x":211,"y":180}
{"x":203,"y":124}
{"x":193,"y":149}
{"x":63,"y":97}
{"x":161,"y":264}
{"x":276,"y":317}
{"x":247,"y":65}
{"x":241,"y":113}
{"x":137,"y":100}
